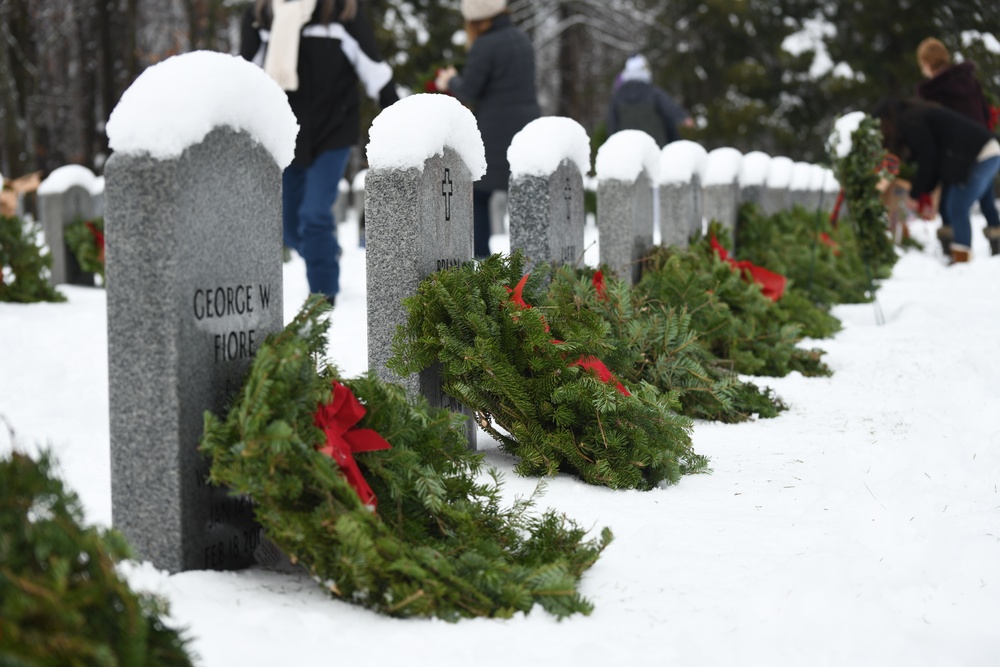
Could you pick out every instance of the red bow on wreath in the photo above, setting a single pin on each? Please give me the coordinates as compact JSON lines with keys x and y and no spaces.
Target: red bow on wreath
{"x":590,"y":363}
{"x":98,"y":239}
{"x":337,"y":419}
{"x":598,"y":282}
{"x":825,"y":239}
{"x":771,"y":284}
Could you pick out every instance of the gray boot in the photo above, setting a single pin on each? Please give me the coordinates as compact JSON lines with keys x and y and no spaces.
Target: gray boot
{"x":945,"y":236}
{"x":992,"y":235}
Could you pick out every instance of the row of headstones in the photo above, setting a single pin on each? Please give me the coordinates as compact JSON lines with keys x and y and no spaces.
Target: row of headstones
{"x":195,"y":280}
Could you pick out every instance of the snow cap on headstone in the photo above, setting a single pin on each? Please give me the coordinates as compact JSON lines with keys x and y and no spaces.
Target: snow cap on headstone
{"x":830,"y":182}
{"x":680,"y":160}
{"x":753,"y":168}
{"x":539,"y":148}
{"x":625,"y":155}
{"x":177,"y":102}
{"x":416,"y":128}
{"x":722,"y":166}
{"x":843,"y":128}
{"x":66,"y":177}
{"x":817,"y":175}
{"x":779,"y":172}
{"x":801,"y":176}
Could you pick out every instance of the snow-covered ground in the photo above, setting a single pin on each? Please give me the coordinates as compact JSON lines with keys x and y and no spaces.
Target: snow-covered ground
{"x":861,"y":527}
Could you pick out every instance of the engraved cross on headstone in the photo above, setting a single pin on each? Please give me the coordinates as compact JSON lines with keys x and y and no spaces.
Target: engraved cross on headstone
{"x":447,"y":195}
{"x":568,"y":196}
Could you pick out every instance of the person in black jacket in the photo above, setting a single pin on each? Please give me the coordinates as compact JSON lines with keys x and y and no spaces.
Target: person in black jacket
{"x":499,"y":81}
{"x":317,"y":51}
{"x":957,"y":88}
{"x":639,"y":105}
{"x":949,"y":149}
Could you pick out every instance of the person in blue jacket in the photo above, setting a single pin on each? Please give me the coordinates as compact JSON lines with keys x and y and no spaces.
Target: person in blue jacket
{"x":317,"y":51}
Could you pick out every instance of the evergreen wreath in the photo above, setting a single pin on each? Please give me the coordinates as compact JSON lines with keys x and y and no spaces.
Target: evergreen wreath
{"x":659,"y":345}
{"x":820,"y":261}
{"x":541,"y":391}
{"x":436,"y":543}
{"x":24,"y":266}
{"x":85,"y":239}
{"x":735,"y":321}
{"x":62,"y":602}
{"x":859,"y":173}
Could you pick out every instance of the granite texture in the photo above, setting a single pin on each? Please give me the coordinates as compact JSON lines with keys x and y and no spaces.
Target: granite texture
{"x":417,"y":222}
{"x":56,"y":210}
{"x":194,"y":285}
{"x":722,"y":204}
{"x":625,"y":225}
{"x":676,"y":213}
{"x":774,"y":200}
{"x":698,"y":212}
{"x":547,"y":215}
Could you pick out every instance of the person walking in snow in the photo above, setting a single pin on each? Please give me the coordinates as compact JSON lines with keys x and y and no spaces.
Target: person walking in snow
{"x":639,"y":105}
{"x":950,"y":149}
{"x":317,"y":51}
{"x":956,"y":87}
{"x":498,"y":80}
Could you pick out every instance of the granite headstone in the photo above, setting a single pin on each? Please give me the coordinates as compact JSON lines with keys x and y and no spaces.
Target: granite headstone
{"x":721,"y":188}
{"x":194,"y":286}
{"x":775,"y":197}
{"x":66,"y":197}
{"x":546,"y":215}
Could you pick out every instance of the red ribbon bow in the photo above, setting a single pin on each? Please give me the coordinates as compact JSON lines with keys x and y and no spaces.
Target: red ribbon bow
{"x":98,"y":239}
{"x":603,"y":374}
{"x":337,"y":419}
{"x":772,"y":284}
{"x":598,"y":283}
{"x":825,"y":239}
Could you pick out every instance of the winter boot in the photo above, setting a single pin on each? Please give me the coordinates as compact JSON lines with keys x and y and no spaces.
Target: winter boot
{"x":945,"y":236}
{"x":992,"y":235}
{"x":960,"y":254}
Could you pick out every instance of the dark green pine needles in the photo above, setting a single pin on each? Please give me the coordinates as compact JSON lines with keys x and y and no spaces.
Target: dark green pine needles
{"x":439,"y":543}
{"x":655,"y":343}
{"x":523,"y":380}
{"x":62,"y":603}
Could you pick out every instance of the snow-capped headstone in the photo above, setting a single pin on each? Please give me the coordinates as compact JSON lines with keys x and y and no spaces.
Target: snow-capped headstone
{"x":424,"y":154}
{"x":66,"y":197}
{"x":682,"y":164}
{"x":722,"y":190}
{"x":817,"y":176}
{"x":774,"y":199}
{"x":798,"y":188}
{"x":753,"y":173}
{"x":548,"y":159}
{"x":193,"y":193}
{"x":627,"y":167}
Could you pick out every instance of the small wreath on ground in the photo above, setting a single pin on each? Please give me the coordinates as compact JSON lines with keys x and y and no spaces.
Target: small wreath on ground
{"x":542,"y":392}
{"x":379,"y":497}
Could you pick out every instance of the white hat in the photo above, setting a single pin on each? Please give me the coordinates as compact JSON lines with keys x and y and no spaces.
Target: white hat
{"x":477,"y":10}
{"x":637,"y":69}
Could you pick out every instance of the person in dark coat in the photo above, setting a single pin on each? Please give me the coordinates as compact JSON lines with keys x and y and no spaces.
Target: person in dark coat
{"x":317,"y":51}
{"x":498,"y":80}
{"x":639,"y":105}
{"x":957,"y":88}
{"x":949,"y":149}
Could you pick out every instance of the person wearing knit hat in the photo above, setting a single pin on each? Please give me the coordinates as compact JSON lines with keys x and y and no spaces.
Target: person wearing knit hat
{"x":478,"y":10}
{"x":498,"y":81}
{"x":637,"y":104}
{"x":318,"y":51}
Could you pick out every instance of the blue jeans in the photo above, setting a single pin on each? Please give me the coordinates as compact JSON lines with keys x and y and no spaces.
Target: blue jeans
{"x":958,"y":198}
{"x":307,"y":197}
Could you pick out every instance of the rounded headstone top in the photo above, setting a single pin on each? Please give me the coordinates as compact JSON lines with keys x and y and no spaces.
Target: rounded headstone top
{"x":625,"y":155}
{"x":816,"y":177}
{"x":68,"y":176}
{"x":175,"y":104}
{"x":753,"y":168}
{"x":779,"y":172}
{"x":843,"y":128}
{"x":801,"y":176}
{"x":830,"y":182}
{"x":416,"y":128}
{"x":722,"y":166}
{"x":544,"y":143}
{"x":681,"y":160}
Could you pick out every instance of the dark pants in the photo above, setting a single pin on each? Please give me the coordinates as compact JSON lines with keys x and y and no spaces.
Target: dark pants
{"x":308,"y":195}
{"x":481,"y":223}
